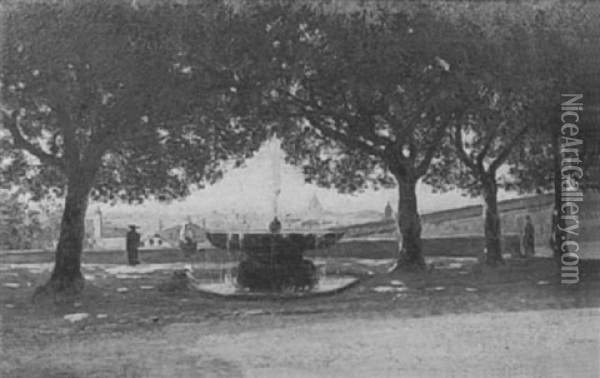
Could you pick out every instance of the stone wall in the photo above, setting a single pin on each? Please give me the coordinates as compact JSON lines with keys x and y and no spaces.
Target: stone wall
{"x":469,"y":220}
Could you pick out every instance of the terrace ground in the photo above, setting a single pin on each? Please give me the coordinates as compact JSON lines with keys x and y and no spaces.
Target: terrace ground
{"x":457,"y":320}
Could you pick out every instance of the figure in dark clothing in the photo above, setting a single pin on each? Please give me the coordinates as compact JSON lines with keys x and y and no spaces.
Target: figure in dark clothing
{"x":553,"y":233}
{"x":188,"y":246}
{"x":388,"y":213}
{"x":275,"y":226}
{"x":133,"y":244}
{"x":529,"y":237}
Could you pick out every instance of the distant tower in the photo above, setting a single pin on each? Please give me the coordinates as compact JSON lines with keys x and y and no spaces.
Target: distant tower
{"x":314,"y":206}
{"x":388,"y":213}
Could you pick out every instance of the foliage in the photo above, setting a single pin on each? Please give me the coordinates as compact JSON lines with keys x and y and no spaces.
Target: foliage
{"x":25,"y":225}
{"x":141,"y":96}
{"x":364,"y":98}
{"x":513,"y":100}
{"x":575,"y":34}
{"x":120,"y":102}
{"x":370,"y":93}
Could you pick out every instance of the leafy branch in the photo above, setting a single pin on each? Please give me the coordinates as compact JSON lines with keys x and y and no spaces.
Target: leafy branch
{"x":11,"y":124}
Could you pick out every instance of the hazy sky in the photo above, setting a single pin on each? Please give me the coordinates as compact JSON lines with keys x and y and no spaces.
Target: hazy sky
{"x":251,"y":189}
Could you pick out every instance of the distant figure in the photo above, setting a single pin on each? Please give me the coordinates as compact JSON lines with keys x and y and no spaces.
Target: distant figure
{"x":133,"y":244}
{"x":388,"y":213}
{"x":188,"y":246}
{"x":553,"y":233}
{"x":529,"y":237}
{"x":275,"y":226}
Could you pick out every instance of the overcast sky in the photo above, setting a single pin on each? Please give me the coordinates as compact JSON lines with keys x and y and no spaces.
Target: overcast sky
{"x":251,"y":189}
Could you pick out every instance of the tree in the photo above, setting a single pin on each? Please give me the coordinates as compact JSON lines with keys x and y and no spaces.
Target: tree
{"x":491,"y":138}
{"x":569,"y":41}
{"x":104,"y":101}
{"x":366,"y":97}
{"x":511,"y":100}
{"x":584,"y":38}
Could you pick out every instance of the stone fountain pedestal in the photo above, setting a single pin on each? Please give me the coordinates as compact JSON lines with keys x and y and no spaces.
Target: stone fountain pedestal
{"x":273,"y":261}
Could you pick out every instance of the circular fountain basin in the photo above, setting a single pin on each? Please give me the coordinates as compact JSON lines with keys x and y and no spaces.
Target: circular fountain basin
{"x":330,"y":284}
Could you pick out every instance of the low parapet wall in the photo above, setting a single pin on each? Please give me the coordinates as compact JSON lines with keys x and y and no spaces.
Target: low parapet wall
{"x":468,"y":220}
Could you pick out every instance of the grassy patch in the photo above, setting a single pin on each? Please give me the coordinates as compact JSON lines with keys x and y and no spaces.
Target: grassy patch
{"x":27,"y":327}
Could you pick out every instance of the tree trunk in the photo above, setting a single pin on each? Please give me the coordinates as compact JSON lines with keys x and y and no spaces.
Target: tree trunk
{"x":493,"y":234}
{"x":557,"y":222}
{"x":411,"y":254}
{"x":66,"y":276}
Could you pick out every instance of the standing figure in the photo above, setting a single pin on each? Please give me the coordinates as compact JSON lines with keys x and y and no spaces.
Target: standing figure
{"x":188,"y":246}
{"x":529,"y":237}
{"x":133,"y":244}
{"x":275,"y":226}
{"x":388,"y":213}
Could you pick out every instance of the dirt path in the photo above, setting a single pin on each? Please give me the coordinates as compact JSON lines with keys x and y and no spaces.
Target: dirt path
{"x":528,"y":344}
{"x":551,"y":343}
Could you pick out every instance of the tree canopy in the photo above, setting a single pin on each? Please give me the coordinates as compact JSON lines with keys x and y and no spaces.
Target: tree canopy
{"x":366,"y":97}
{"x":110,"y":84}
{"x":104,"y":100}
{"x":111,"y":101}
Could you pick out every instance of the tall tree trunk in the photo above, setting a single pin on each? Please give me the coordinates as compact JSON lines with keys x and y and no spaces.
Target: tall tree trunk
{"x":493,"y":233}
{"x":66,"y":276}
{"x":411,"y":254}
{"x":557,"y":221}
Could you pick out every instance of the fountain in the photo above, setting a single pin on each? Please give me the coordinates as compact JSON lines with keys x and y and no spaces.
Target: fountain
{"x":273,"y":258}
